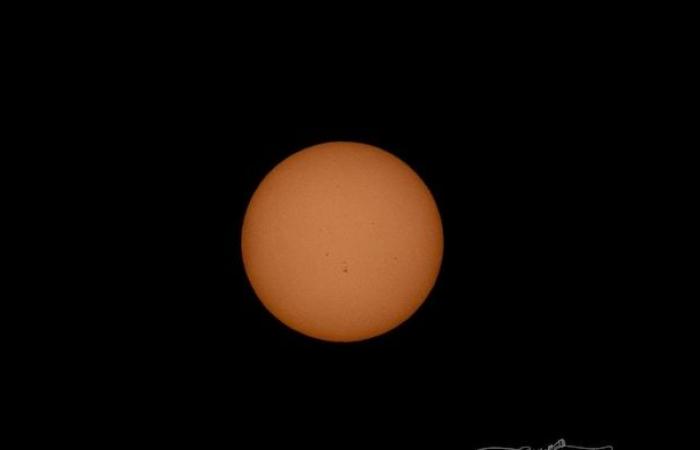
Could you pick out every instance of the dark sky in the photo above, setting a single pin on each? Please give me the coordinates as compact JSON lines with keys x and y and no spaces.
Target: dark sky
{"x":524,"y":338}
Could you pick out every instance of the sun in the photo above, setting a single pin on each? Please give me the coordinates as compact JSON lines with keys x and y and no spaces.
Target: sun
{"x":342,"y":241}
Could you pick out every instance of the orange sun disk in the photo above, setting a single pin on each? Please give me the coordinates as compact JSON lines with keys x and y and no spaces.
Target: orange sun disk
{"x":342,"y":241}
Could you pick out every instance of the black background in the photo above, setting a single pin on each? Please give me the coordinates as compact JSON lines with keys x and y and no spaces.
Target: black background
{"x":523,"y":338}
